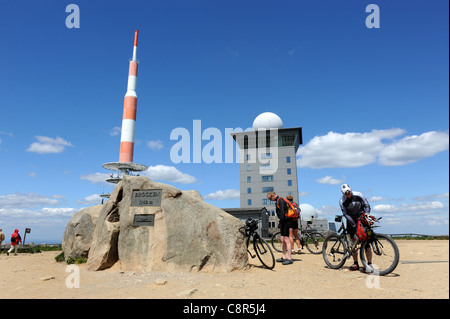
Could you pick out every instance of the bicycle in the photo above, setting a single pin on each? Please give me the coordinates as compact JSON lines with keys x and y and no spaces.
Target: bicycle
{"x":260,"y":246}
{"x":338,"y":247}
{"x":309,"y":237}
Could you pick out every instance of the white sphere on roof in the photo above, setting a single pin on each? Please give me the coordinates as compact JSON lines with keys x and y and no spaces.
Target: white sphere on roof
{"x":308,"y":212}
{"x":267,"y":120}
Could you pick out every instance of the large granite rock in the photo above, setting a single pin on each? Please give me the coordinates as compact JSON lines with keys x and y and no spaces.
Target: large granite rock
{"x":187,"y":234}
{"x":79,"y":232}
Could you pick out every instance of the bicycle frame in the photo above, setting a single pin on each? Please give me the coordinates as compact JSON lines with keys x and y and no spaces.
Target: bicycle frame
{"x":351,"y":247}
{"x":250,"y":234}
{"x":262,"y":249}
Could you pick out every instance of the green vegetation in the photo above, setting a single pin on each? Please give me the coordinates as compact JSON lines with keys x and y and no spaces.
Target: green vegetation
{"x":420,"y":237}
{"x":60,"y":257}
{"x":70,"y":260}
{"x":32,"y":249}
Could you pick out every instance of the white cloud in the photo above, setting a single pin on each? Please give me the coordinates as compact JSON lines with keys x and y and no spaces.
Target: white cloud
{"x":93,"y":199}
{"x":168,"y":174}
{"x":158,"y":173}
{"x":329,"y":180}
{"x":413,"y":148}
{"x":57,"y":211}
{"x":115,"y":131}
{"x":96,"y":178}
{"x":30,"y":200}
{"x":358,"y":149}
{"x":425,"y":206}
{"x":431,"y":197}
{"x":436,"y":221}
{"x":301,"y":194}
{"x":46,"y":145}
{"x":47,"y":216}
{"x":344,"y":150}
{"x":385,"y":208}
{"x":223,"y":195}
{"x":376,"y":199}
{"x":155,"y":145}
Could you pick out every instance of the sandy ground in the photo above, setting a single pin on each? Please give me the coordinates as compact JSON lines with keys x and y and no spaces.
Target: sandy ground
{"x":423,"y":272}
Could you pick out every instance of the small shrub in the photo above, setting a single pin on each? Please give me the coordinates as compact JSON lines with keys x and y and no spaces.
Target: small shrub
{"x":79,"y":260}
{"x":60,"y":257}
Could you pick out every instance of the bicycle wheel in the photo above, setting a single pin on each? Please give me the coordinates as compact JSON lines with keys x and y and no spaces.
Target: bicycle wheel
{"x":276,"y":242}
{"x":264,"y":253}
{"x":385,"y":254}
{"x":334,"y":251}
{"x":314,"y":242}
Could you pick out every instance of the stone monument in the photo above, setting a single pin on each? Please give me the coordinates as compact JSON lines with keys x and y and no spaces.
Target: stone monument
{"x":153,"y":226}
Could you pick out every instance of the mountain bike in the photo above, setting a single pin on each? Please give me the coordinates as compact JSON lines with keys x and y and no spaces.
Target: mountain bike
{"x":260,"y":246}
{"x":310,"y":238}
{"x":338,"y":247}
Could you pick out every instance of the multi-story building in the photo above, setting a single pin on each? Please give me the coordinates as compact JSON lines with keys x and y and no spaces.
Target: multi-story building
{"x":268,"y":163}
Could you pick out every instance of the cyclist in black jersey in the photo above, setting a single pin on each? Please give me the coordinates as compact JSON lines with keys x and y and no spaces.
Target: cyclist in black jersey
{"x":353,"y":204}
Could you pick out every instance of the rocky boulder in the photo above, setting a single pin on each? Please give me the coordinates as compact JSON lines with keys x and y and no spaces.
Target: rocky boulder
{"x":79,"y":232}
{"x":187,"y":233}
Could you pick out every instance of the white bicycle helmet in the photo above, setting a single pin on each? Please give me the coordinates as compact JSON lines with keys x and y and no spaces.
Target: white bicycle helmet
{"x":345,"y":188}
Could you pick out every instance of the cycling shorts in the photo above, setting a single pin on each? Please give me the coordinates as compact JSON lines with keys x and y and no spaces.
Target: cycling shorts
{"x":284,"y":227}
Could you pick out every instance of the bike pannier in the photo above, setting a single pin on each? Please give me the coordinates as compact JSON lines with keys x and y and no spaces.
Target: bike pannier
{"x":360,"y":232}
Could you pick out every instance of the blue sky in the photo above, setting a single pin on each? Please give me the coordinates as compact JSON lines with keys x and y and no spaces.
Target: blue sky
{"x":373,"y":103}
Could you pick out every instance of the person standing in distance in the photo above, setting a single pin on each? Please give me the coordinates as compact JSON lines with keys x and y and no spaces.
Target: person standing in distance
{"x":15,"y":240}
{"x":353,"y":205}
{"x":2,"y":238}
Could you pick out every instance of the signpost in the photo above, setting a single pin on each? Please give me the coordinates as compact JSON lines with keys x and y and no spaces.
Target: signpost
{"x":27,"y":231}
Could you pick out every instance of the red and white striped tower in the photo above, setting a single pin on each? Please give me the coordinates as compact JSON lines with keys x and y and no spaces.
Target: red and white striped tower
{"x":129,"y":110}
{"x":125,"y":164}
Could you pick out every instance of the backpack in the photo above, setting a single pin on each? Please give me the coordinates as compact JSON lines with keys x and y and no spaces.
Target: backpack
{"x":293,"y":210}
{"x":360,"y":232}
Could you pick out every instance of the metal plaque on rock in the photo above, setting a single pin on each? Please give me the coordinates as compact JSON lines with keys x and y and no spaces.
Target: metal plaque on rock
{"x":147,"y":197}
{"x":144,"y":220}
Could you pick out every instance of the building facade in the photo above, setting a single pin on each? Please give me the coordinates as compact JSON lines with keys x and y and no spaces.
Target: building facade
{"x":268,"y":163}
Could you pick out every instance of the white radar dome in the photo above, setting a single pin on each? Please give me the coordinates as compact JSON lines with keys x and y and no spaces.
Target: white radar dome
{"x":308,"y":212}
{"x":267,"y":120}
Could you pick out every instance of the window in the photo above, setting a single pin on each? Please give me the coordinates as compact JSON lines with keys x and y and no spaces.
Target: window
{"x":249,"y":179}
{"x":249,"y":190}
{"x":288,"y":159}
{"x":249,"y":202}
{"x":248,"y":157}
{"x":289,"y":182}
{"x":286,"y":140}
{"x":266,"y":167}
{"x":266,"y":155}
{"x":266,"y":201}
{"x":267,"y":178}
{"x":249,"y":168}
{"x":289,"y":171}
{"x":267,"y":189}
